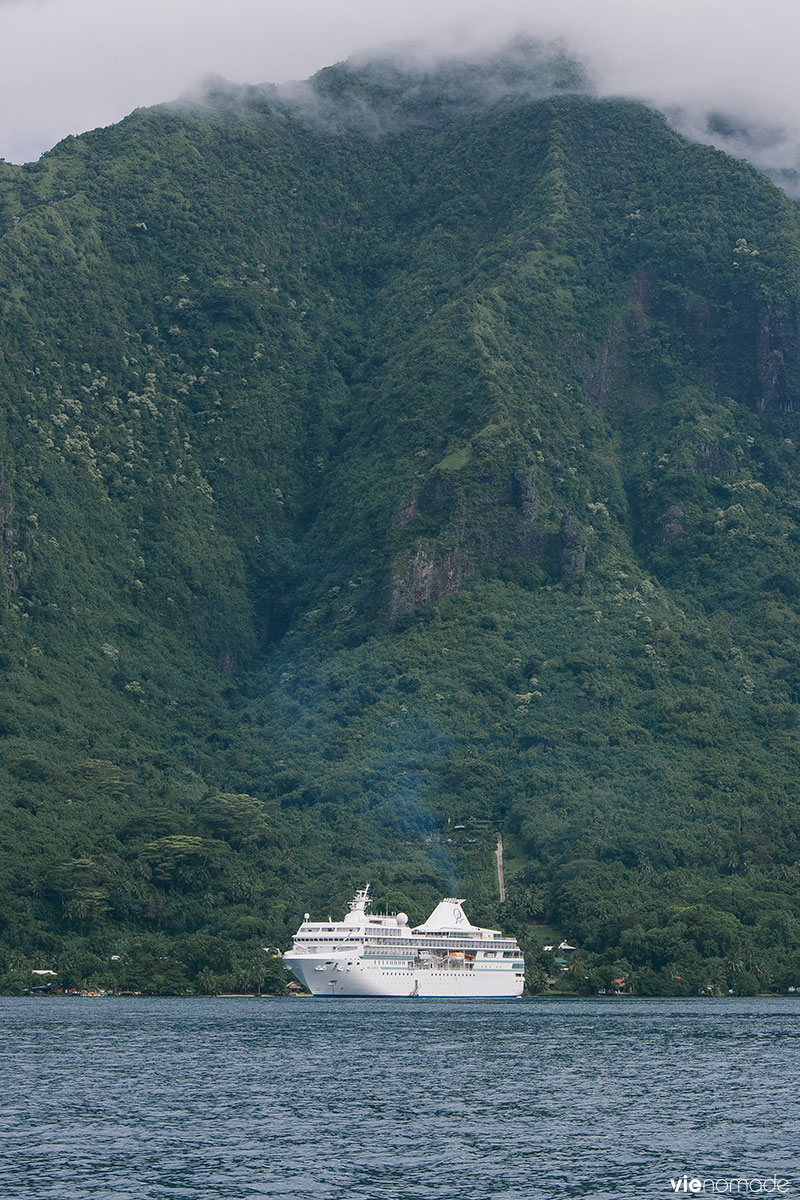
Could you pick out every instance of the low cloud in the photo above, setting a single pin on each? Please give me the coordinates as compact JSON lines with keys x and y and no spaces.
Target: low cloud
{"x":723,"y":69}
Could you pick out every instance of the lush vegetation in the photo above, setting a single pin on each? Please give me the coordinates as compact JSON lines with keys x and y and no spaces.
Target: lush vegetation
{"x":376,"y":473}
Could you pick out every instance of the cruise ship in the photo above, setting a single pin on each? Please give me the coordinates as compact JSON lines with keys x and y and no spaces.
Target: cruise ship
{"x":379,"y":955}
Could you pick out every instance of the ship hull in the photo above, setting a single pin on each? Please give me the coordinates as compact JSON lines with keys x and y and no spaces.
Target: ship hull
{"x":359,"y":978}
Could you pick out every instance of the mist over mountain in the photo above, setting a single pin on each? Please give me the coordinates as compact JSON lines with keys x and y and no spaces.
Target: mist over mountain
{"x":385,"y":463}
{"x":381,"y":92}
{"x":774,"y":149}
{"x":412,"y":82}
{"x":71,"y":65}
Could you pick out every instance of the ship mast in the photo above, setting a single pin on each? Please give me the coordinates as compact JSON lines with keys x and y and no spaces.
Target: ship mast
{"x":361,"y":900}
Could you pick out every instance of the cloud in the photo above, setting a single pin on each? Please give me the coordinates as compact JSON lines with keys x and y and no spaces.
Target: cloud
{"x":70,"y":65}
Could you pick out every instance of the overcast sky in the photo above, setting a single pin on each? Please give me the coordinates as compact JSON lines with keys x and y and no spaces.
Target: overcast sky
{"x":70,"y":65}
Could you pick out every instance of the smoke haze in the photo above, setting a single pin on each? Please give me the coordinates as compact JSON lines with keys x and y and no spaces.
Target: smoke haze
{"x":724,"y":70}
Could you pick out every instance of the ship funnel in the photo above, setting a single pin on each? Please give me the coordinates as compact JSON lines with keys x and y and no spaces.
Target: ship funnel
{"x":448,"y":915}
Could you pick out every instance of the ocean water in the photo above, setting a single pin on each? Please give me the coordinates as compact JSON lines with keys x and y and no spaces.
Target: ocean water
{"x":336,"y":1099}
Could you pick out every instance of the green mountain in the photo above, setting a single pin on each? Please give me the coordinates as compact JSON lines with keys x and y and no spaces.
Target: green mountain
{"x":382,"y":465}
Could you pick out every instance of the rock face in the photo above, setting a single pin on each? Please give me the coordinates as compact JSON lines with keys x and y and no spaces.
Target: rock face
{"x":778,"y":360}
{"x":427,"y":580}
{"x":486,"y":517}
{"x":6,"y":531}
{"x":573,"y":550}
{"x":525,"y":481}
{"x":672,"y":526}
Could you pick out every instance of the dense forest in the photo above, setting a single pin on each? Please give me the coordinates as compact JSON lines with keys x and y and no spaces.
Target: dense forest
{"x":383,"y":466}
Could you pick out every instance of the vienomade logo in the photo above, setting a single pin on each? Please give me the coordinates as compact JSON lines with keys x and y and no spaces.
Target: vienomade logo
{"x":731,"y":1186}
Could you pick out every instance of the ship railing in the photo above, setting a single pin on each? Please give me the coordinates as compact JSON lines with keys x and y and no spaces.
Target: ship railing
{"x":442,"y":943}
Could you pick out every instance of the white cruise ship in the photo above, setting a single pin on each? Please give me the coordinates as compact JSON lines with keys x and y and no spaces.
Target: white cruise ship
{"x":367,"y":955}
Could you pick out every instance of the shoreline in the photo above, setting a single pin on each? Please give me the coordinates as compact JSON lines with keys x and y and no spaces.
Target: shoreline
{"x":545,"y":996}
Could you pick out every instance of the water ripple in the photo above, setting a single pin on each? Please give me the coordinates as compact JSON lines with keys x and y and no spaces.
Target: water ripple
{"x":392,"y":1100}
